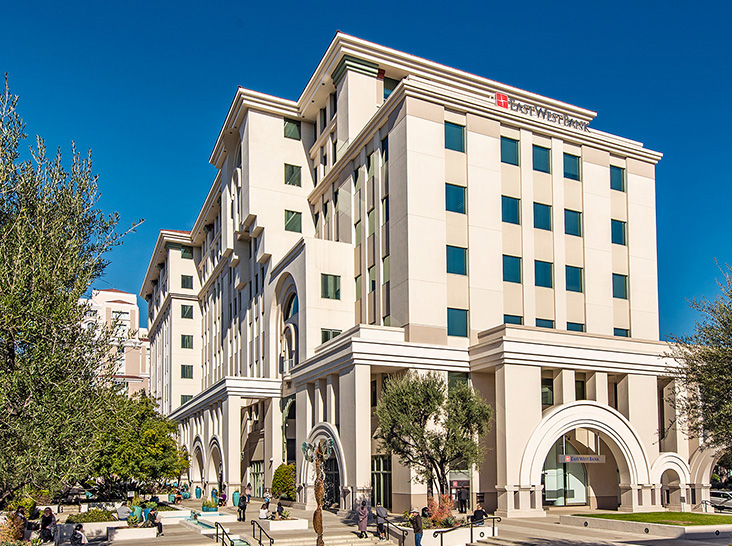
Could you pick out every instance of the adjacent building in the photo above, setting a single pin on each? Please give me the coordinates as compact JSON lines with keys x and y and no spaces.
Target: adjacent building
{"x":398,"y":215}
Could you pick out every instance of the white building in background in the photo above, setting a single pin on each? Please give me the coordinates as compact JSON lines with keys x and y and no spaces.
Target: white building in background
{"x":113,"y":307}
{"x":401,"y":214}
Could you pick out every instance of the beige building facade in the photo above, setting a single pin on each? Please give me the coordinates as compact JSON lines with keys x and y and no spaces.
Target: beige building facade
{"x":402,"y":215}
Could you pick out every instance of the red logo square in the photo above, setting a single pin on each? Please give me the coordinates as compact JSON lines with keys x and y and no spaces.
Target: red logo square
{"x":567,"y":459}
{"x":501,"y":100}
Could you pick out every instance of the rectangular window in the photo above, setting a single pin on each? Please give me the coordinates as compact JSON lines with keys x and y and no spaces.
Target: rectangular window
{"x":617,"y":178}
{"x":185,"y":398}
{"x":571,"y":167}
{"x":330,"y":286}
{"x":574,"y":279}
{"x":513,"y":319}
{"x":579,"y":390}
{"x":186,"y":311}
{"x":358,"y":288}
{"x":186,"y":281}
{"x":292,"y":129}
{"x":547,"y":391}
{"x":389,"y":86}
{"x":293,"y":221}
{"x":573,"y":222}
{"x":575,"y":327}
{"x":618,"y":230}
{"x":621,"y":332}
{"x":510,"y":210}
{"x":186,"y":252}
{"x":511,"y":269}
{"x":293,"y":175}
{"x":186,"y":371}
{"x":457,"y":260}
{"x":541,"y":159}
{"x":372,"y":221}
{"x":327,"y":334}
{"x":509,"y":151}
{"x":384,"y":210}
{"x":454,"y":198}
{"x":457,"y":322}
{"x":543,"y":274}
{"x":542,"y":216}
{"x":374,"y":394}
{"x":357,"y":233}
{"x":454,"y":137}
{"x":385,"y":269}
{"x":620,"y":286}
{"x":372,"y":278}
{"x":544,"y":323}
{"x":186,"y":341}
{"x":385,"y":149}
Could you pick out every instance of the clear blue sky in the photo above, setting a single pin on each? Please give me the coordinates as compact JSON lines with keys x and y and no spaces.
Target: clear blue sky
{"x":146,"y":85}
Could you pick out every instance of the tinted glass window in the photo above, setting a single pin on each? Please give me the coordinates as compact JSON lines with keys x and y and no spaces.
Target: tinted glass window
{"x":544,"y":323}
{"x":454,"y":137}
{"x":541,"y":159}
{"x":620,"y":286}
{"x":618,"y":232}
{"x":542,"y":216}
{"x":509,"y":151}
{"x":575,"y":327}
{"x":511,"y":268}
{"x":617,"y":178}
{"x":510,"y":210}
{"x":455,"y":198}
{"x":513,"y":319}
{"x":543,"y":274}
{"x":457,"y":260}
{"x":574,"y":279}
{"x":573,"y":222}
{"x":571,"y":167}
{"x":457,"y":322}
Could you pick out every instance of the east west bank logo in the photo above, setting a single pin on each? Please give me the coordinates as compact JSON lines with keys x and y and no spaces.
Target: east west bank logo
{"x":504,"y":101}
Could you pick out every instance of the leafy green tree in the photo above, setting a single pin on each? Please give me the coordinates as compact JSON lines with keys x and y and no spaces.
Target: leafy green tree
{"x":703,"y":370}
{"x":53,"y":390}
{"x":283,"y":482}
{"x":431,"y":428}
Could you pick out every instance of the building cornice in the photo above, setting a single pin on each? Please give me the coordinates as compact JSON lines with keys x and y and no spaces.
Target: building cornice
{"x":164,"y":237}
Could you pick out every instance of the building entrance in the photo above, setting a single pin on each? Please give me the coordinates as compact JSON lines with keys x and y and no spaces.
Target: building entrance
{"x":332,"y":483}
{"x":564,"y":483}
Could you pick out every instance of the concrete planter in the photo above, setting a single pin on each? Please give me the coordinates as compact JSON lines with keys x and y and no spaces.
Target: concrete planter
{"x":283,"y":524}
{"x":131,"y":533}
{"x":170,"y":516}
{"x":209,"y":509}
{"x":458,"y":537}
{"x":91,"y":530}
{"x":694,"y":532}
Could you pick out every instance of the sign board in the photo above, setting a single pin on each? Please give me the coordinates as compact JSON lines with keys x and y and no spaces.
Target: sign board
{"x":509,"y":103}
{"x":584,"y":459}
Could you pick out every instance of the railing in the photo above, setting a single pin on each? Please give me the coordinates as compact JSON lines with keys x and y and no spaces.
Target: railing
{"x":255,"y":524}
{"x":481,"y":532}
{"x":224,"y":535}
{"x":391,"y":524}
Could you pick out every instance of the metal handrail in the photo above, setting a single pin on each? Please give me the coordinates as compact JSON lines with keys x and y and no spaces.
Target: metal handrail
{"x":254,"y":535}
{"x":224,"y":535}
{"x":390,"y":524}
{"x":471,"y":524}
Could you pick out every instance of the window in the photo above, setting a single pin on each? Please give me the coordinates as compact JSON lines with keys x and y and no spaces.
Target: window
{"x":292,"y":307}
{"x":374,"y":393}
{"x":358,"y":288}
{"x":574,"y":279}
{"x":186,"y":252}
{"x":256,"y":471}
{"x":328,"y":334}
{"x":511,"y":268}
{"x":357,"y":233}
{"x":575,"y":327}
{"x":573,"y":222}
{"x":454,"y":198}
{"x":571,"y":167}
{"x":384,"y":210}
{"x":372,"y":278}
{"x":513,"y":319}
{"x":186,"y":281}
{"x":330,"y":286}
{"x":621,"y":332}
{"x":186,"y":371}
{"x":620,"y":286}
{"x":186,"y":341}
{"x":292,"y":129}
{"x":293,"y":175}
{"x":542,"y":216}
{"x":541,"y":159}
{"x":293,"y":221}
{"x":510,"y":210}
{"x":547,"y":391}
{"x":544,"y":323}
{"x":457,"y":260}
{"x":454,"y":137}
{"x":579,"y":389}
{"x":186,"y":311}
{"x":618,"y":232}
{"x":385,"y":149}
{"x":509,"y":151}
{"x":457,"y":322}
{"x":385,"y":269}
{"x":617,"y":178}
{"x":185,"y":398}
{"x":389,"y":86}
{"x":323,"y":119}
{"x":372,"y":221}
{"x":543,"y":274}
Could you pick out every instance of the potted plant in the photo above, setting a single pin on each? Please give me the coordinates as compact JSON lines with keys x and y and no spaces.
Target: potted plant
{"x":235,"y":497}
{"x":209,"y":506}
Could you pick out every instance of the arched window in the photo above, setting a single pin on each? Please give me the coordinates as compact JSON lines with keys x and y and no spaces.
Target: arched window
{"x":292,"y":307}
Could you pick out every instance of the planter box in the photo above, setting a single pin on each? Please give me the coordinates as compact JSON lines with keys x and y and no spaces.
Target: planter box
{"x":91,"y":530}
{"x":693,"y":532}
{"x":170,"y":516}
{"x":221,"y":517}
{"x":208,"y":509}
{"x":283,"y":524}
{"x":131,"y":533}
{"x":458,"y":537}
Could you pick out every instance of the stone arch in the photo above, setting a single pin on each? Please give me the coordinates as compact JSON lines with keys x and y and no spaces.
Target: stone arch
{"x":286,"y":307}
{"x":324,"y":431}
{"x":670,"y":461}
{"x":198,"y":459}
{"x":701,"y":464}
{"x":215,"y":463}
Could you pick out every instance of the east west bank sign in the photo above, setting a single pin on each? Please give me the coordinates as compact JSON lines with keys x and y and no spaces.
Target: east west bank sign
{"x":504,"y":101}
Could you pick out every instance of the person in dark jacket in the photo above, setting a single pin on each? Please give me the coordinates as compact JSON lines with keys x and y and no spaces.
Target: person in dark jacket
{"x":417,"y":526}
{"x":463,"y":500}
{"x":153,"y":518}
{"x":242,"y":508}
{"x":479,"y":515}
{"x":78,"y":538}
{"x":48,"y":525}
{"x":381,"y":515}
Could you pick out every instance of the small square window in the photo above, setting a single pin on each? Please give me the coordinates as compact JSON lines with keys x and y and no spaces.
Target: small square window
{"x":618,"y":230}
{"x":621,"y":332}
{"x":543,"y":274}
{"x":186,"y":252}
{"x":293,"y":175}
{"x":330,"y":286}
{"x":542,"y":216}
{"x":186,"y":341}
{"x":620,"y":286}
{"x":327,"y":334}
{"x":457,"y":260}
{"x":186,"y":281}
{"x":575,"y":327}
{"x":389,"y":86}
{"x":454,"y":137}
{"x":510,"y":210}
{"x":513,"y":319}
{"x":186,"y":311}
{"x":372,"y":278}
{"x":292,"y":129}
{"x":571,"y":167}
{"x":574,"y":279}
{"x":186,"y":371}
{"x":293,"y":221}
{"x":185,"y":398}
{"x":544,"y":323}
{"x":573,"y":222}
{"x":454,"y":198}
{"x":509,"y":151}
{"x":457,"y":322}
{"x":617,"y":178}
{"x":541,"y":159}
{"x":511,"y":269}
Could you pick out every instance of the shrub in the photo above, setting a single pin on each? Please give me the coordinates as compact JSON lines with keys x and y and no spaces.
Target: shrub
{"x":283,"y":482}
{"x":26,"y":502}
{"x":12,"y":529}
{"x":151,"y":505}
{"x":441,"y":513}
{"x":92,"y":516}
{"x":210,"y":503}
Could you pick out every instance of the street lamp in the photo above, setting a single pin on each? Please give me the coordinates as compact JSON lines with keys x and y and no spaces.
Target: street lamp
{"x":319,"y":452}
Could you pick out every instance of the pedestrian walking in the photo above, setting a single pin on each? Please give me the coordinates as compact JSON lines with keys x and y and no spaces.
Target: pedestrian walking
{"x":248,"y":492}
{"x":363,"y":520}
{"x":463,"y":500}
{"x":417,"y":526}
{"x":242,"y":508}
{"x":381,"y":515}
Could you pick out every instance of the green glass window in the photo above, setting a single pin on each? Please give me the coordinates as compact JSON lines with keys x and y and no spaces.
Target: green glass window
{"x":575,"y":327}
{"x":543,"y":274}
{"x":511,"y":268}
{"x":357,"y":233}
{"x":385,"y":269}
{"x":621,"y":332}
{"x":454,"y":198}
{"x":186,"y":311}
{"x":547,"y":391}
{"x":509,"y":151}
{"x":618,"y":231}
{"x":542,"y":216}
{"x":579,"y":390}
{"x":620,"y":286}
{"x":186,"y":281}
{"x":571,"y":167}
{"x":384,"y":210}
{"x":185,"y":398}
{"x":573,"y":222}
{"x":186,"y":252}
{"x":574,"y":279}
{"x":457,"y":322}
{"x":186,"y":341}
{"x":454,"y":137}
{"x":457,"y":260}
{"x":330,"y":286}
{"x":358,"y":288}
{"x":292,"y":129}
{"x":327,"y":334}
{"x":544,"y":323}
{"x":186,"y":371}
{"x":372,"y":278}
{"x":293,"y":221}
{"x":372,"y":221}
{"x":617,"y":178}
{"x":541,"y":159}
{"x":389,"y":86}
{"x":513,"y":319}
{"x":510,"y":210}
{"x":293,"y":175}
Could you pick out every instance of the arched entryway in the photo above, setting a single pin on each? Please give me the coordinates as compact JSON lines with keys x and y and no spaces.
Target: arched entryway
{"x":215,"y":470}
{"x":334,"y":471}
